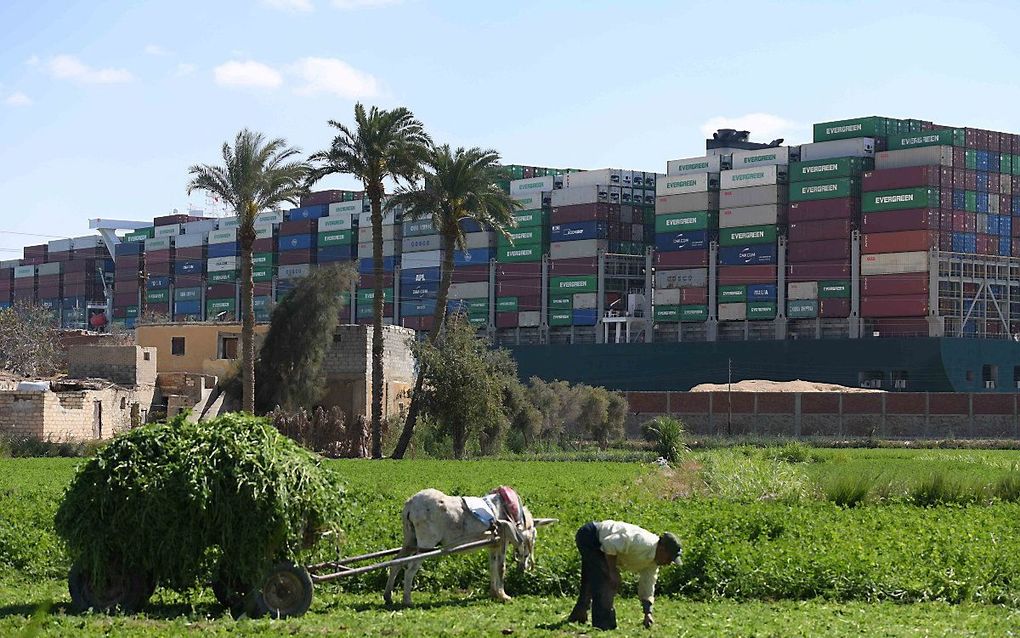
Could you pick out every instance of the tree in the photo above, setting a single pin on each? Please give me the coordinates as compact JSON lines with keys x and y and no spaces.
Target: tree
{"x":382,"y":145}
{"x":257,"y":174}
{"x":28,"y":346}
{"x":465,"y":384}
{"x":300,"y":334}
{"x":459,"y":185}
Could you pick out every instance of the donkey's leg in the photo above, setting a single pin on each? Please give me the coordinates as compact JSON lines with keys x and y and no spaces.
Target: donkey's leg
{"x":393,"y":571}
{"x":497,"y":571}
{"x":409,"y":573}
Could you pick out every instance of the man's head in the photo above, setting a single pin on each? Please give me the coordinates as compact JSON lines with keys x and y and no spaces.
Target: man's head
{"x":667,"y":550}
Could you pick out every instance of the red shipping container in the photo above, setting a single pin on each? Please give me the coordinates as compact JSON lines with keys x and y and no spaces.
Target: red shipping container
{"x":905,"y":177}
{"x":262,"y":288}
{"x":584,"y":213}
{"x":736,"y":275}
{"x":512,"y":271}
{"x":518,"y":287}
{"x":970,"y":179}
{"x":959,"y":159}
{"x":296,"y":257}
{"x":894,"y":306}
{"x":899,"y":242}
{"x":681,"y":258}
{"x":573,"y":266}
{"x":264,"y":245}
{"x":945,"y":241}
{"x":24,"y":283}
{"x":819,"y":230}
{"x":368,"y":281}
{"x":900,"y":327}
{"x":468,"y":274}
{"x":192,"y":252}
{"x":529,"y":302}
{"x":159,"y":308}
{"x":188,"y":281}
{"x":60,"y":257}
{"x":802,"y":251}
{"x":694,"y":296}
{"x":220,"y":291}
{"x":506,"y":319}
{"x":33,"y":261}
{"x":164,"y":269}
{"x":167,"y":220}
{"x":159,"y":256}
{"x":45,"y":281}
{"x":817,"y":271}
{"x":1015,"y":245}
{"x":322,"y":197}
{"x":910,"y":284}
{"x":76,"y":290}
{"x":38,"y":251}
{"x":298,"y":227}
{"x":78,"y":277}
{"x":983,"y":245}
{"x":839,"y":208}
{"x":48,"y":292}
{"x":911,"y":219}
{"x":833,"y":308}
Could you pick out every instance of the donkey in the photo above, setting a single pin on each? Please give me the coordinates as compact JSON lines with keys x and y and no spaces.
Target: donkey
{"x":431,"y":518}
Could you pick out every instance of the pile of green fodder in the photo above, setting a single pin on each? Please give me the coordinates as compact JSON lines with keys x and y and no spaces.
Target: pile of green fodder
{"x":181,"y":502}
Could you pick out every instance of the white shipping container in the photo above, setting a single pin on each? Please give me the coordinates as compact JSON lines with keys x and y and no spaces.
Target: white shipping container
{"x":683,"y":184}
{"x":87,"y":241}
{"x":269,"y":217}
{"x":666,"y":296}
{"x":334,"y":223}
{"x":424,"y":259}
{"x":575,"y":249}
{"x":802,"y":290}
{"x":52,"y":268}
{"x":761,"y":157}
{"x":705,"y":164}
{"x":157,"y":243}
{"x":217,"y":264}
{"x":23,"y":272}
{"x":344,"y":209}
{"x":294,"y":272}
{"x":482,"y":239}
{"x":529,"y":201}
{"x":732,"y":311}
{"x":754,"y":196}
{"x":690,"y":202}
{"x":170,"y":230}
{"x":754,"y":176}
{"x":894,"y":263}
{"x":749,"y":216}
{"x":389,"y":233}
{"x":227,"y":223}
{"x":472,"y":290}
{"x":586,"y":300}
{"x":204,"y":226}
{"x":921,"y":156}
{"x":10,"y":263}
{"x":60,"y":245}
{"x":854,"y":147}
{"x":191,"y":240}
{"x":531,"y":185}
{"x":222,"y":236}
{"x":263,"y":231}
{"x":420,"y":243}
{"x":601,"y":177}
{"x":685,"y":278}
{"x":389,"y":248}
{"x":581,"y":195}
{"x":529,"y":319}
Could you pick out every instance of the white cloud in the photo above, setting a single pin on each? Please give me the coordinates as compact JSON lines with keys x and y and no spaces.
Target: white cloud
{"x":298,"y":6}
{"x":764,"y":127}
{"x":18,"y":99}
{"x":333,"y":76}
{"x":155,"y":49}
{"x":68,"y":67}
{"x":33,"y":61}
{"x":349,"y":5}
{"x":247,"y":74}
{"x":184,"y":70}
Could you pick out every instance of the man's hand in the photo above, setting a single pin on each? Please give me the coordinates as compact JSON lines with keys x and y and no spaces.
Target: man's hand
{"x":648,"y":620}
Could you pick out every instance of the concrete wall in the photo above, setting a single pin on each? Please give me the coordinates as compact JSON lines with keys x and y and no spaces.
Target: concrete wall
{"x":348,"y":369}
{"x":201,"y":345}
{"x":73,"y":415}
{"x":833,"y":414}
{"x":123,"y":365}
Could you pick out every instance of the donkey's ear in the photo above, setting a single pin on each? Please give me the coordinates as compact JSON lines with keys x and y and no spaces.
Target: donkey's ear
{"x":509,"y":531}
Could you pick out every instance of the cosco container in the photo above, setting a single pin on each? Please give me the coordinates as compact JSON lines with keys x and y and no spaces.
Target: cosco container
{"x":924,"y":156}
{"x":575,"y":249}
{"x":899,"y":199}
{"x":753,"y":176}
{"x":815,"y":170}
{"x":293,"y":272}
{"x":894,"y":263}
{"x":753,"y":196}
{"x":858,"y":147}
{"x":683,"y":278}
{"x":833,"y":188}
{"x":763,"y":234}
{"x":687,"y":203}
{"x":751,"y":216}
{"x":706,"y":164}
{"x":685,"y":184}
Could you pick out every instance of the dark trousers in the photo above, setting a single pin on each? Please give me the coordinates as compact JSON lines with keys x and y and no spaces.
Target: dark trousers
{"x":597,"y":589}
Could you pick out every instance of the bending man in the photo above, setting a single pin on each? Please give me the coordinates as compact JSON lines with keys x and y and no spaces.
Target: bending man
{"x":607,"y":547}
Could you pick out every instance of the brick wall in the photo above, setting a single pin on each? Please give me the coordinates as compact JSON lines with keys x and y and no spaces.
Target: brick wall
{"x":348,"y":369}
{"x":834,"y":414}
{"x":124,"y":365}
{"x":72,"y":415}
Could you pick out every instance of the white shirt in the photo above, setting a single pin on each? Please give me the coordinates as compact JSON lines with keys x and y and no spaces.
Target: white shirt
{"x":634,"y":549}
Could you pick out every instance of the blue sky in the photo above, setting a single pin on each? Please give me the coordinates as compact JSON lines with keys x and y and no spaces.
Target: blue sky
{"x":104,"y":105}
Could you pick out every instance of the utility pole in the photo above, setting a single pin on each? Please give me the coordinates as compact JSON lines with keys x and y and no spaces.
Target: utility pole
{"x":729,"y":397}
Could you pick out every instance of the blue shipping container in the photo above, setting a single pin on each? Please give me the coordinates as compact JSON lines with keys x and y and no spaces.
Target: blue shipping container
{"x":690,"y":240}
{"x":187,"y":307}
{"x":419,"y":289}
{"x":959,"y":199}
{"x":470,"y":226}
{"x":982,"y":182}
{"x":157,"y":282}
{"x":757,"y":255}
{"x":418,"y":308}
{"x":307,"y":212}
{"x":1005,"y":226}
{"x":761,"y":292}
{"x":128,"y":248}
{"x":335,"y":253}
{"x":365,"y":266}
{"x":584,"y":316}
{"x":189,"y":266}
{"x":419,"y":275}
{"x":982,"y":202}
{"x":228,"y":249}
{"x":578,"y":231}
{"x":472,"y":257}
{"x":1005,"y":246}
{"x":296,"y":242}
{"x":964,"y":242}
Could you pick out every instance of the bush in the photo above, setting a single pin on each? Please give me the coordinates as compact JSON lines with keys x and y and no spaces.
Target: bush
{"x":328,"y":432}
{"x":848,"y":491}
{"x":668,"y":436}
{"x":941,"y":489}
{"x":170,"y":499}
{"x":1007,"y":488}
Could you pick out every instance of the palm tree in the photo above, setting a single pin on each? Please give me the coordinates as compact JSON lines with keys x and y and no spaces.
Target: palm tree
{"x":257,"y":174}
{"x":383,"y":145}
{"x":459,"y":185}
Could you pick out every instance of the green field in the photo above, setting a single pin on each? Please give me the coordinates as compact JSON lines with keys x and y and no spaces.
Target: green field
{"x":767,"y":552}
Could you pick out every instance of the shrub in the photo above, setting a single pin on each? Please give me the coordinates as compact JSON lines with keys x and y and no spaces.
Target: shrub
{"x":167,"y":499}
{"x":940,"y":489}
{"x":1007,"y":488}
{"x":667,"y":433}
{"x":848,"y":491}
{"x":328,"y":432}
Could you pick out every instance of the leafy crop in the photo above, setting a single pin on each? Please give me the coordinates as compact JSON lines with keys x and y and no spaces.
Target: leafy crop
{"x":166,"y":499}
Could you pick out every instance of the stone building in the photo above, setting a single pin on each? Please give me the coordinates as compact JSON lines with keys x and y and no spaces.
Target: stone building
{"x":347,"y":370}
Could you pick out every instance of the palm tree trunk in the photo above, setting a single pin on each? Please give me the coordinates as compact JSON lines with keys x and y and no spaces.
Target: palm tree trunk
{"x":247,"y":240}
{"x":375,"y":195}
{"x":437,"y":324}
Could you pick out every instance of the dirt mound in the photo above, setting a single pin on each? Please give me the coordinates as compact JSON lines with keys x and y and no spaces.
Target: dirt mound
{"x":760,"y":385}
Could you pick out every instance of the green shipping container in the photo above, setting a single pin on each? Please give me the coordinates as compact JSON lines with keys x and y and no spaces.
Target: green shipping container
{"x":941,"y":137}
{"x":744,"y":235}
{"x":899,"y":199}
{"x":1005,"y":163}
{"x":506,"y":304}
{"x":131,"y":311}
{"x":681,"y":222}
{"x":523,"y":236}
{"x":560,"y":317}
{"x":336,"y":238}
{"x":970,"y":201}
{"x":817,"y":170}
{"x":261,"y":303}
{"x":561,"y":302}
{"x":529,"y":218}
{"x":366,"y":295}
{"x":478,"y":320}
{"x":732,"y":294}
{"x":970,"y":159}
{"x":666,"y":314}
{"x":802,"y":308}
{"x":262,"y":273}
{"x":262,"y":259}
{"x":873,"y":126}
{"x":141,"y":234}
{"x":515,"y":254}
{"x":216,"y":306}
{"x":761,"y":310}
{"x":833,"y":289}
{"x":582,"y":283}
{"x":223,"y":276}
{"x":825,"y":189}
{"x":157,"y":296}
{"x":1016,"y":164}
{"x":693,"y":313}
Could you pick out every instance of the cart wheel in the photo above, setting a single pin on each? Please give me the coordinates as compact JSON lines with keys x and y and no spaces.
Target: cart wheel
{"x":122,"y":591}
{"x":285,"y":591}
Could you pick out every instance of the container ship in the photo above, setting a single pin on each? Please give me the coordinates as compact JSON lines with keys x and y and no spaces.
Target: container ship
{"x":882,"y":254}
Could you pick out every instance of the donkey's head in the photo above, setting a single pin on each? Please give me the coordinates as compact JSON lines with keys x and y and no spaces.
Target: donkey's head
{"x":522,"y":538}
